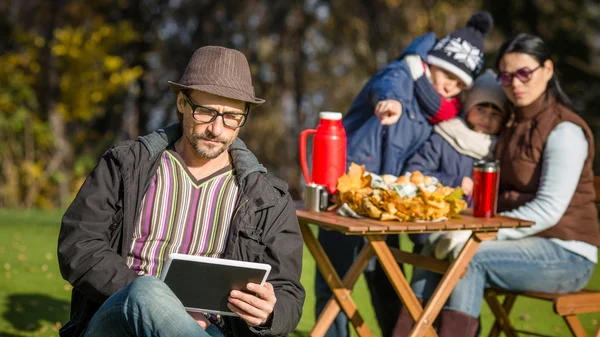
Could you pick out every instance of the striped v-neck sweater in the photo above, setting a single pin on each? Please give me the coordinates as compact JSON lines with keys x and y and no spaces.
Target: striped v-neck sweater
{"x":182,"y":215}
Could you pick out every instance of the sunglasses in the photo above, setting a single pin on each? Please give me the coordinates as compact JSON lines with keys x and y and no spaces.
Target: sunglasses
{"x":523,"y":74}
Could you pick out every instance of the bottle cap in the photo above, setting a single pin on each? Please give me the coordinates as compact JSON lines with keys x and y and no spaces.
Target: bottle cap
{"x":487,"y":165}
{"x":330,"y":115}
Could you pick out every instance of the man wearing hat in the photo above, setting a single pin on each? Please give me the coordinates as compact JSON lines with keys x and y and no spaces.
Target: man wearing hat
{"x":191,"y":188}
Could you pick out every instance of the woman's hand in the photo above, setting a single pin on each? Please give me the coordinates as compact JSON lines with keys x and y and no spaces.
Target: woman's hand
{"x":255,"y":309}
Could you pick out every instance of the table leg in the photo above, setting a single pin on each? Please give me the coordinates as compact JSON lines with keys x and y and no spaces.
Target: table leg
{"x":332,"y":308}
{"x":340,"y":292}
{"x":398,"y":280}
{"x":448,"y":282}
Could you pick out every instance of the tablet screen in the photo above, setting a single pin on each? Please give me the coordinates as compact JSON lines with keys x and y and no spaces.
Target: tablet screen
{"x":204,"y":284}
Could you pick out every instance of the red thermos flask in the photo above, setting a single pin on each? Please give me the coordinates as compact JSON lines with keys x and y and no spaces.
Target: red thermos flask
{"x":329,"y":151}
{"x":486,"y":177}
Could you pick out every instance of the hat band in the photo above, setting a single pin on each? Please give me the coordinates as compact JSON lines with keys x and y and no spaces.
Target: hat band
{"x":461,"y":74}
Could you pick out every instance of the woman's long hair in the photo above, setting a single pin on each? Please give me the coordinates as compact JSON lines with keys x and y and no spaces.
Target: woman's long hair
{"x":535,"y":47}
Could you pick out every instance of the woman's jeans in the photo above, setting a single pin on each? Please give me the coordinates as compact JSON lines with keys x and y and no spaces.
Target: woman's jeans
{"x":531,"y":264}
{"x":148,"y":308}
{"x":342,"y":250}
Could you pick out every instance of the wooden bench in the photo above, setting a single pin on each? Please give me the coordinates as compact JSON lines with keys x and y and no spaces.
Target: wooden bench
{"x":566,"y":305}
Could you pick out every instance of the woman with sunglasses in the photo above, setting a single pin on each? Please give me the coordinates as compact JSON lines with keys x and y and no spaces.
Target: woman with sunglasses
{"x":546,"y":176}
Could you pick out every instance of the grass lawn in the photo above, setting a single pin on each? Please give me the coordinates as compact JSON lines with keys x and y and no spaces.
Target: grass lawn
{"x":34,"y":300}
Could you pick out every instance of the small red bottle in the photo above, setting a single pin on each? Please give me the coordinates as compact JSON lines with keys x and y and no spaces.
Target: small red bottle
{"x":486,"y":177}
{"x":329,"y":151}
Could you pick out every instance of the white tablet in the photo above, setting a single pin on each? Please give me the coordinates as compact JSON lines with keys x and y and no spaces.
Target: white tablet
{"x":204,"y":283}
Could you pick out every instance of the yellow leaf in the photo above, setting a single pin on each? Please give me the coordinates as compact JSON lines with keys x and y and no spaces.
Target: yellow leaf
{"x":59,"y":50}
{"x":115,"y":78}
{"x":39,"y":41}
{"x":112,"y":63}
{"x":96,"y":97}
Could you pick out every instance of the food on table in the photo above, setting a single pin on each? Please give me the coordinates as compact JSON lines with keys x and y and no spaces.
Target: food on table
{"x":406,"y":198}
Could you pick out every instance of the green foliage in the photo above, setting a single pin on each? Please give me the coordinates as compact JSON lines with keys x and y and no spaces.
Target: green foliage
{"x":22,"y":131}
{"x":90,"y":72}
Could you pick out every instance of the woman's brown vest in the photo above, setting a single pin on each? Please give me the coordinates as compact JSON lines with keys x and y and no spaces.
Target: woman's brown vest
{"x":520,"y":151}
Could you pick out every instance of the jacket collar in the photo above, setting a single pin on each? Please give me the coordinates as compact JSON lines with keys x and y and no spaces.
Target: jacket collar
{"x":244,"y":162}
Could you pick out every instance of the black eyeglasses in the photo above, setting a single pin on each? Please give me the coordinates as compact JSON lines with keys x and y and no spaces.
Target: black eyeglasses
{"x":205,"y":114}
{"x":523,"y":74}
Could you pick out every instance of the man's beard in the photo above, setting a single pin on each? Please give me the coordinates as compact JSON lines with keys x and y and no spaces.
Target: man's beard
{"x":207,"y":150}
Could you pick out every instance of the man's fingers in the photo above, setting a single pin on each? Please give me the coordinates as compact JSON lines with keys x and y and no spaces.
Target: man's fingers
{"x":250,"y":300}
{"x":269,"y":286}
{"x":250,"y":319}
{"x":252,"y":309}
{"x":256,"y":307}
{"x":266,"y":292}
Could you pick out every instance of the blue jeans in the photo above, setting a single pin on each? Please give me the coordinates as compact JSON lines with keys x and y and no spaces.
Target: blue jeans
{"x":146,"y":307}
{"x":530,"y":264}
{"x":342,"y":250}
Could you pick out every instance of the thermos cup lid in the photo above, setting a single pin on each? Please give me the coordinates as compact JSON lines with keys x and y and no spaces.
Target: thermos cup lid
{"x":487,"y":165}
{"x":330,"y":115}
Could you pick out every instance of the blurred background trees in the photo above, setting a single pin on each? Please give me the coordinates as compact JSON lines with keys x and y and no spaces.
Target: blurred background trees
{"x":77,"y":76}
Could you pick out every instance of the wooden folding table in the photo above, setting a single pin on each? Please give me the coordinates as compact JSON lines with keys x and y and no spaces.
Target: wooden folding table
{"x":375,"y":232}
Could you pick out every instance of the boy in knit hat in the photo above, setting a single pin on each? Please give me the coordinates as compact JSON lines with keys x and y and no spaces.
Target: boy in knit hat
{"x":387,"y":123}
{"x":456,"y":144}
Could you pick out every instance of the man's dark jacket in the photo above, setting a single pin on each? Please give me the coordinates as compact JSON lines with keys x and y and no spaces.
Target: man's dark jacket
{"x":97,"y":231}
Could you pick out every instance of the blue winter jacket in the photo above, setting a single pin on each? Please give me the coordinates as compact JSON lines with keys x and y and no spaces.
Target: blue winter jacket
{"x":385,"y":149}
{"x":437,"y":158}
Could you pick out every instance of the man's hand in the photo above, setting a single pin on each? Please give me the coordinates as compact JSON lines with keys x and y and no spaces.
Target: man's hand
{"x":254,"y":309}
{"x":389,"y":111}
{"x":467,"y":185}
{"x":200,"y":319}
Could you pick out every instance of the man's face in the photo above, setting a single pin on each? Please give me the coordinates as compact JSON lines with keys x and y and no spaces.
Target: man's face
{"x":445,"y":83}
{"x":209,"y":140}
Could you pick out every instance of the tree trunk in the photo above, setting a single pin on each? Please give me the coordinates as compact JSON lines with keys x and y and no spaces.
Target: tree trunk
{"x":62,"y":156}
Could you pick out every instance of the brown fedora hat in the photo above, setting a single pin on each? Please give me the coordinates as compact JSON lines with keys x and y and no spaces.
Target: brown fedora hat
{"x":219,"y":71}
